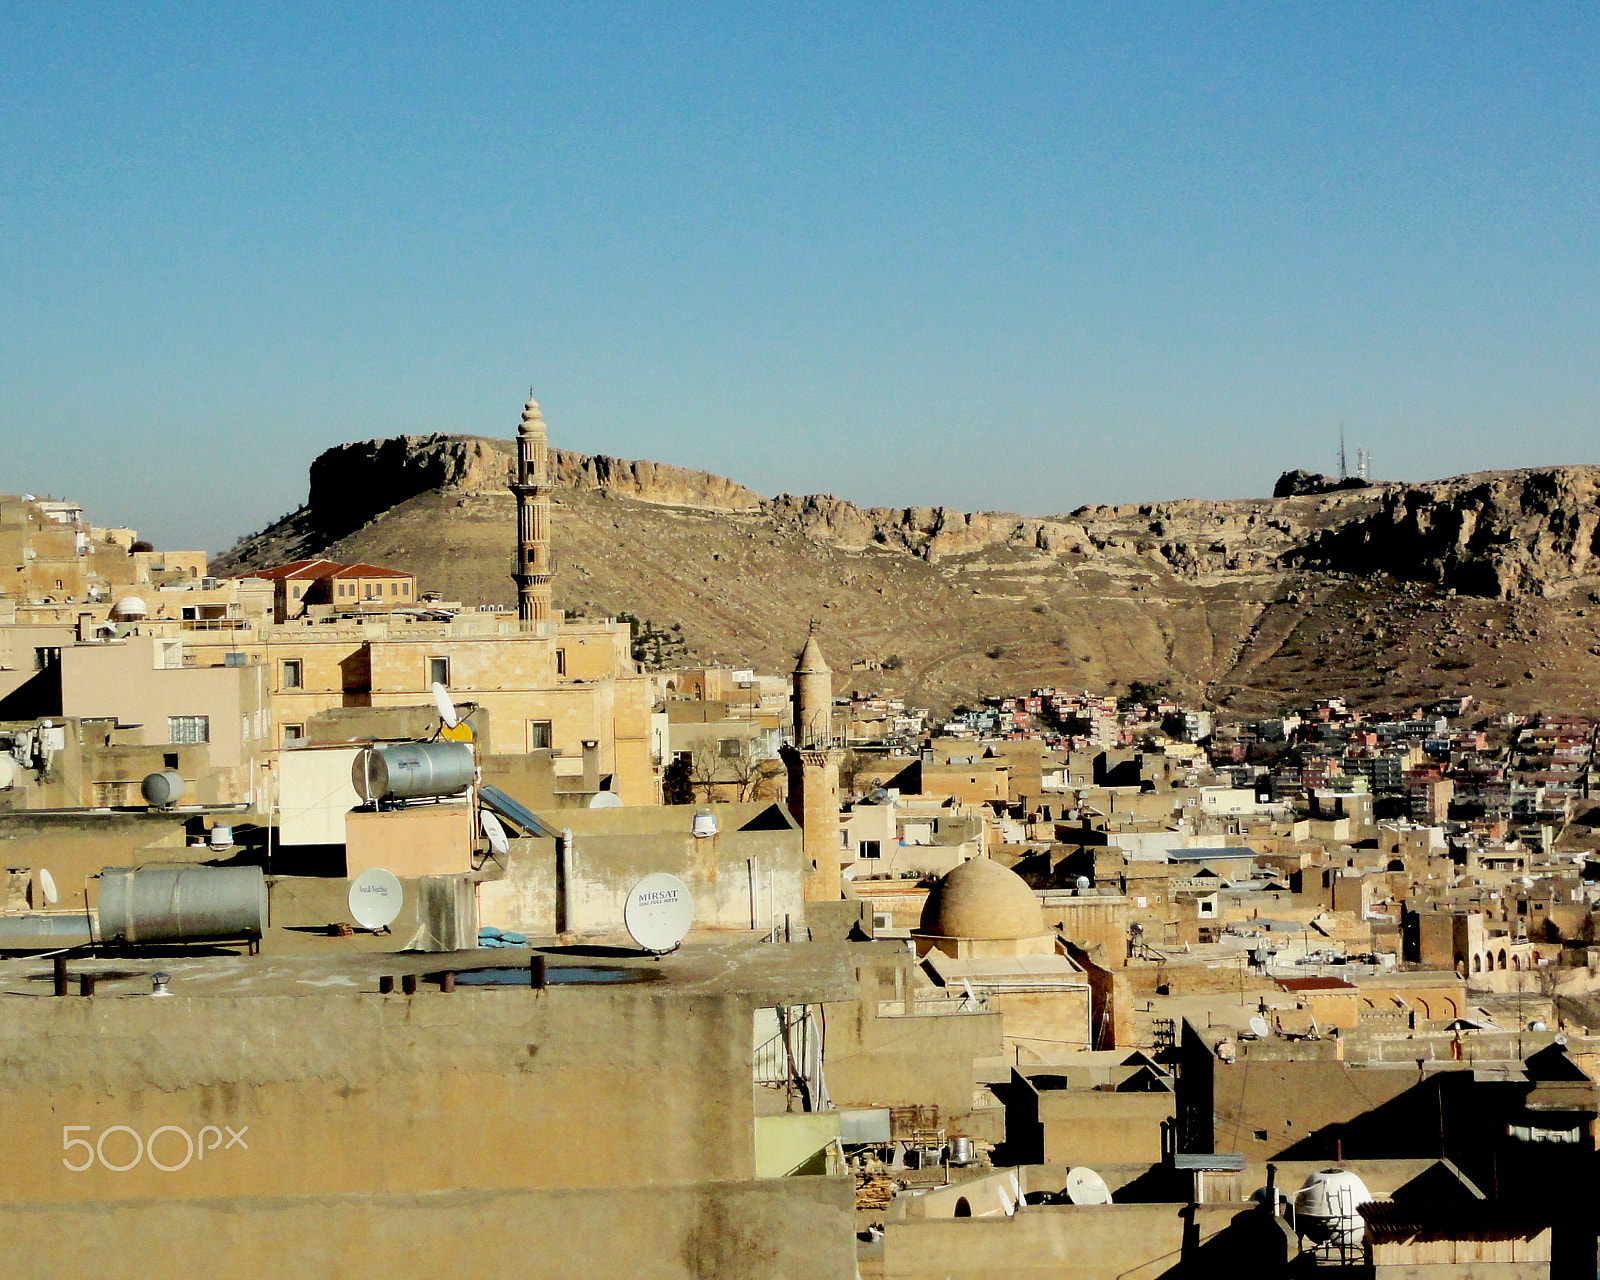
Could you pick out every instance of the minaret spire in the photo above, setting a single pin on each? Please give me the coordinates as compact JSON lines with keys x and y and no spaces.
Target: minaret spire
{"x":533,"y":517}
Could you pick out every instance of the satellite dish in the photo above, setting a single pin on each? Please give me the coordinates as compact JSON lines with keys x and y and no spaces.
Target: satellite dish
{"x":658,"y":913}
{"x":375,"y":897}
{"x":1083,"y":883}
{"x":1259,"y":1027}
{"x":47,"y":886}
{"x":494,"y":833}
{"x":1085,"y":1186}
{"x":1561,"y":1039}
{"x":605,"y":800}
{"x":447,"y":709}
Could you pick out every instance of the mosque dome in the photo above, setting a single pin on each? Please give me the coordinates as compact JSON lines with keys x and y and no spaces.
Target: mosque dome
{"x":982,"y":900}
{"x":128,"y":608}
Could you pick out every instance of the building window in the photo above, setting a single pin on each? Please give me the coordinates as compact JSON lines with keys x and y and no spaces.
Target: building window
{"x":869,"y":849}
{"x":561,"y":662}
{"x":439,"y":671}
{"x":728,"y":748}
{"x":538,"y":735}
{"x":188,"y":729}
{"x":405,"y":588}
{"x":45,"y":658}
{"x":292,"y":673}
{"x":293,"y":733}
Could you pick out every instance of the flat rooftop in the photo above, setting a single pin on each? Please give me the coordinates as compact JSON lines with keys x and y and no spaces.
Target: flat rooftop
{"x":767,"y":973}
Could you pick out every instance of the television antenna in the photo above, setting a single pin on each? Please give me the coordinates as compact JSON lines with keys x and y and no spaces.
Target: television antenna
{"x":1085,"y":1186}
{"x":375,"y":899}
{"x":658,"y":913}
{"x":447,"y":709}
{"x":494,"y":833}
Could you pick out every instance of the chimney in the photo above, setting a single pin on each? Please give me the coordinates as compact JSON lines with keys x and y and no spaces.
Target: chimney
{"x":591,"y":765}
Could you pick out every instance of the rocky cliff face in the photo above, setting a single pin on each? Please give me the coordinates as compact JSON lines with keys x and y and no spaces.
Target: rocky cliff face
{"x":1255,"y":596}
{"x":1501,"y":534}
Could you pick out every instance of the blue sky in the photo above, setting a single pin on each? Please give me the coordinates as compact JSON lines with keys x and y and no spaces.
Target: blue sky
{"x":1007,"y":256}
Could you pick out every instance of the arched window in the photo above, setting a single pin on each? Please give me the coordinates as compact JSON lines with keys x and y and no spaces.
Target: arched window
{"x":1477,"y":963}
{"x":963,"y":1209}
{"x":1516,"y":962}
{"x":1502,"y":957}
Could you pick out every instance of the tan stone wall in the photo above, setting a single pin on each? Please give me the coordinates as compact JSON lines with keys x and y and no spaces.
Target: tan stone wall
{"x":1129,"y":1241}
{"x":1091,"y":1127}
{"x":362,"y":1094}
{"x":1044,"y":1023}
{"x":782,"y":1229}
{"x":420,"y":840}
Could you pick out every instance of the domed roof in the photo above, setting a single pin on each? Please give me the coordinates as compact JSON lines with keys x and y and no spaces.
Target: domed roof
{"x":981,"y":899}
{"x":129,"y":607}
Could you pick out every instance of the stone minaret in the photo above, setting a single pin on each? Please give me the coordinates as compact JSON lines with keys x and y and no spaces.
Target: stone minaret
{"x":813,"y":764}
{"x":533,"y":518}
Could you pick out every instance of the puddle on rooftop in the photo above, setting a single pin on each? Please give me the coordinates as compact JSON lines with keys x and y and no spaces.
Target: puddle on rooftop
{"x":556,"y":975}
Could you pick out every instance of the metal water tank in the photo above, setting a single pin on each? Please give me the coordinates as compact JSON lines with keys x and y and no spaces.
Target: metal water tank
{"x":178,"y":902}
{"x":1328,"y":1207}
{"x":162,"y":789}
{"x":412,"y":770}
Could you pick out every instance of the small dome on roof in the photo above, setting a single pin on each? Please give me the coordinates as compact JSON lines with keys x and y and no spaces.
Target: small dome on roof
{"x":981,"y":899}
{"x":129,"y":607}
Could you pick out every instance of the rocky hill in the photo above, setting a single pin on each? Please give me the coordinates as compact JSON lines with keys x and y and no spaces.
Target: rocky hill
{"x":1483,"y":583}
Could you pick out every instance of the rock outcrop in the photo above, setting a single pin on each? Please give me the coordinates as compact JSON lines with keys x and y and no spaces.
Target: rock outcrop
{"x":1241,"y":598}
{"x":1500,"y":534}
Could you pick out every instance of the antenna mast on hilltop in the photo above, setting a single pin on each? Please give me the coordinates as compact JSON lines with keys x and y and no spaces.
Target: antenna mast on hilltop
{"x":1343,"y":473}
{"x":1363,"y":464}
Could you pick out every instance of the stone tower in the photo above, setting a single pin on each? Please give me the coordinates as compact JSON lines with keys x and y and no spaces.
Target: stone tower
{"x":533,"y":518}
{"x":813,"y":763}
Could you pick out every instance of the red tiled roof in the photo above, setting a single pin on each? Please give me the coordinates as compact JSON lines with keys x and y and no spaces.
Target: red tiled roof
{"x":311,"y":570}
{"x":367,"y":571}
{"x":1316,"y":984}
{"x":297,"y":569}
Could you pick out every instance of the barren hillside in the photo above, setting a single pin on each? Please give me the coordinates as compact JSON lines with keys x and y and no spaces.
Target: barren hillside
{"x":1484,"y":583}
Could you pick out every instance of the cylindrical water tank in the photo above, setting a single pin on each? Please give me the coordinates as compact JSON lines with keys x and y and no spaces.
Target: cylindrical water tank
{"x":159,"y":789}
{"x":412,"y":770}
{"x":181,"y":903}
{"x":1328,"y":1207}
{"x":221,"y":837}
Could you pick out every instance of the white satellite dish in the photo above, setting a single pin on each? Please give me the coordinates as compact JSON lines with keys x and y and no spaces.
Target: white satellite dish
{"x":1259,"y":1027}
{"x":375,"y":897}
{"x":658,"y":913}
{"x":447,"y":709}
{"x":47,"y":886}
{"x":1082,"y":883}
{"x":605,"y":800}
{"x":1085,"y":1186}
{"x":494,"y":833}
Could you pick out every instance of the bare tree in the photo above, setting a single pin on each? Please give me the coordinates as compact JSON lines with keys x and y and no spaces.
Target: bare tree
{"x":733,"y":766}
